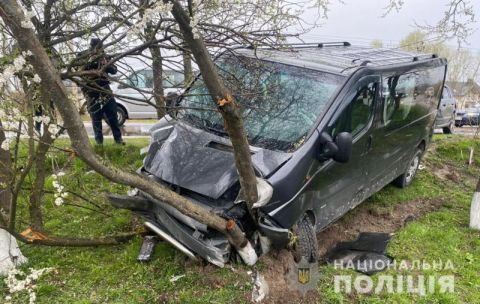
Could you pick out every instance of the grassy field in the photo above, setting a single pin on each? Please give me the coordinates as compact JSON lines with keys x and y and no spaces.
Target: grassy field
{"x":112,"y":274}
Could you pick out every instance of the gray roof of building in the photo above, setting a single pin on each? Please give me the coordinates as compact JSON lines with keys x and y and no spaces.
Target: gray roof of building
{"x":339,"y":58}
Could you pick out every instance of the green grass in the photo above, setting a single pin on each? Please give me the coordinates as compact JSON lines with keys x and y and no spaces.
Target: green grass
{"x":440,"y":235}
{"x":112,"y":274}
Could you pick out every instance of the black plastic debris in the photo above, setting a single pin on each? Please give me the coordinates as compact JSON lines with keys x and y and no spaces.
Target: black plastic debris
{"x":366,"y":254}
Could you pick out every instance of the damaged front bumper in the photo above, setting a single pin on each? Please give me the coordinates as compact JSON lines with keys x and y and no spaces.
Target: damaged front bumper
{"x":196,"y":239}
{"x":184,"y":233}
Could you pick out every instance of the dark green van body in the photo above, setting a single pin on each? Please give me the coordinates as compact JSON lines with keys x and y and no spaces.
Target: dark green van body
{"x":387,"y":100}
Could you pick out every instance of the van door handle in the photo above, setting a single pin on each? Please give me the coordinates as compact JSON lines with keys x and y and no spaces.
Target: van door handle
{"x":368,"y":145}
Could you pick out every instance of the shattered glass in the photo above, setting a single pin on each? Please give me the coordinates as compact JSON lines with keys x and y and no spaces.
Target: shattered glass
{"x":280,"y":103}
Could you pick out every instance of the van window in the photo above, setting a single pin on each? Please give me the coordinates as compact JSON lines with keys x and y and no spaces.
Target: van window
{"x":357,"y":114}
{"x":173,"y":79}
{"x":144,"y":79}
{"x":398,"y":97}
{"x":137,"y":80}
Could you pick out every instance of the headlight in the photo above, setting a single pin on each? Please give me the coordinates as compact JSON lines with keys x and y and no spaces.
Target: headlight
{"x":265,"y":192}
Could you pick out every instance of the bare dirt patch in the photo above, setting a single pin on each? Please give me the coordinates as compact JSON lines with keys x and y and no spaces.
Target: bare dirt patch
{"x":366,"y":220}
{"x":278,"y":263}
{"x":446,"y":172}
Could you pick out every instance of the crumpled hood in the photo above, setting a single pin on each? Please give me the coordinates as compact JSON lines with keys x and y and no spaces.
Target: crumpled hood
{"x":200,"y":161}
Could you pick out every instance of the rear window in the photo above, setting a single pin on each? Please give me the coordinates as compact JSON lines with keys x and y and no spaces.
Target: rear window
{"x":410,"y":96}
{"x":144,"y":79}
{"x":280,"y":103}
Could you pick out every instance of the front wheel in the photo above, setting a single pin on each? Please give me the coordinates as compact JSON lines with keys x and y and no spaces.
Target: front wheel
{"x":449,"y":129}
{"x":121,"y":116}
{"x":409,"y":174}
{"x":306,"y":244}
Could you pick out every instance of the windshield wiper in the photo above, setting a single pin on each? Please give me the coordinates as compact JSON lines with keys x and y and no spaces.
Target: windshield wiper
{"x":217,"y":131}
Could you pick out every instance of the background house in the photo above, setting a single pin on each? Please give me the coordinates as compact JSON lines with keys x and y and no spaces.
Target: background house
{"x":467,"y":93}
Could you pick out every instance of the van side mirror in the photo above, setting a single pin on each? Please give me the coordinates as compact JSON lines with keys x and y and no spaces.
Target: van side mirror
{"x":339,"y":149}
{"x":344,"y":144}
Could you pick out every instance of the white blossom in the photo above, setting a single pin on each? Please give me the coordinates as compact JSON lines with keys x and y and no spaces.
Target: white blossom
{"x":27,"y":23}
{"x":9,"y":70}
{"x":36,"y":78}
{"x":53,"y":130}
{"x":43,"y":119}
{"x":6,"y":144}
{"x":59,"y":201}
{"x":18,"y":281}
{"x":59,"y":194}
{"x":159,"y":8}
{"x":19,"y":62}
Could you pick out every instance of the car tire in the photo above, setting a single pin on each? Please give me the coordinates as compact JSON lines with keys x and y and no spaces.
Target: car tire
{"x":411,"y":169}
{"x":121,"y":116}
{"x":449,"y":129}
{"x":306,"y":244}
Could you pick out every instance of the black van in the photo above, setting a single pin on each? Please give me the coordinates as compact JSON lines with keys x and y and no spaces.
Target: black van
{"x":329,"y":124}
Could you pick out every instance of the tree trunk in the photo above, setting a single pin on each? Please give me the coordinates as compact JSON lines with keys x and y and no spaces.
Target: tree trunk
{"x":158,"y":92}
{"x":157,"y":65}
{"x":475,"y":208}
{"x":5,"y":181}
{"x":27,"y":40}
{"x":225,"y":102}
{"x":187,"y":67}
{"x":36,"y":195}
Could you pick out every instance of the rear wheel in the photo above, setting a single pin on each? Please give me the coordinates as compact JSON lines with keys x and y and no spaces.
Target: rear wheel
{"x":306,"y":244}
{"x":411,"y":170}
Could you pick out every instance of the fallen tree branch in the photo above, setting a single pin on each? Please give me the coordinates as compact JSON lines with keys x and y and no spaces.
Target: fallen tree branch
{"x":73,"y":242}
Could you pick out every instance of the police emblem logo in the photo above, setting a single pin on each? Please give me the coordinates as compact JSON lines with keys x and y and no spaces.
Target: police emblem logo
{"x":303,"y":275}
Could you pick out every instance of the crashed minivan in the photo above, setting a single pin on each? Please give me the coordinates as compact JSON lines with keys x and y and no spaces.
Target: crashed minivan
{"x":328,"y":124}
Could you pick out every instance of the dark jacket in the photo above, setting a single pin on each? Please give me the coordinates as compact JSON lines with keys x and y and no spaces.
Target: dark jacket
{"x":97,"y":86}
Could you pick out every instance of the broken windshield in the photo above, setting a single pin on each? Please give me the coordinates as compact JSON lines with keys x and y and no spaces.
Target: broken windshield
{"x":279,"y":103}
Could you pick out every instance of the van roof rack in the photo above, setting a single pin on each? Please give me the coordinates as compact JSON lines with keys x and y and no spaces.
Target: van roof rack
{"x":302,"y":44}
{"x":337,"y":57}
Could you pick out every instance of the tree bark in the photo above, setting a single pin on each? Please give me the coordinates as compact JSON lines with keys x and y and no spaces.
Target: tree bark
{"x":158,"y":93}
{"x":5,"y":181}
{"x":157,"y":65}
{"x":225,"y":102}
{"x":187,"y":67}
{"x":36,"y":195}
{"x":73,"y":242}
{"x":12,"y":15}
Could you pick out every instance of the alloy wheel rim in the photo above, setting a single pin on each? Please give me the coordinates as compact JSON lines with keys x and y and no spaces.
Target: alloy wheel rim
{"x":412,"y":169}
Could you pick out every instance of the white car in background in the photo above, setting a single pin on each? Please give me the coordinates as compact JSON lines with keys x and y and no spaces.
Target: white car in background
{"x":131,"y":94}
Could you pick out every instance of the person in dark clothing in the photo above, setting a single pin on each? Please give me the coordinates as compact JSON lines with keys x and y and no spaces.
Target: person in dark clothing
{"x":100,"y":100}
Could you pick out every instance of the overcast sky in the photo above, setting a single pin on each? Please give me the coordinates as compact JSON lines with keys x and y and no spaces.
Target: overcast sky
{"x":360,"y":21}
